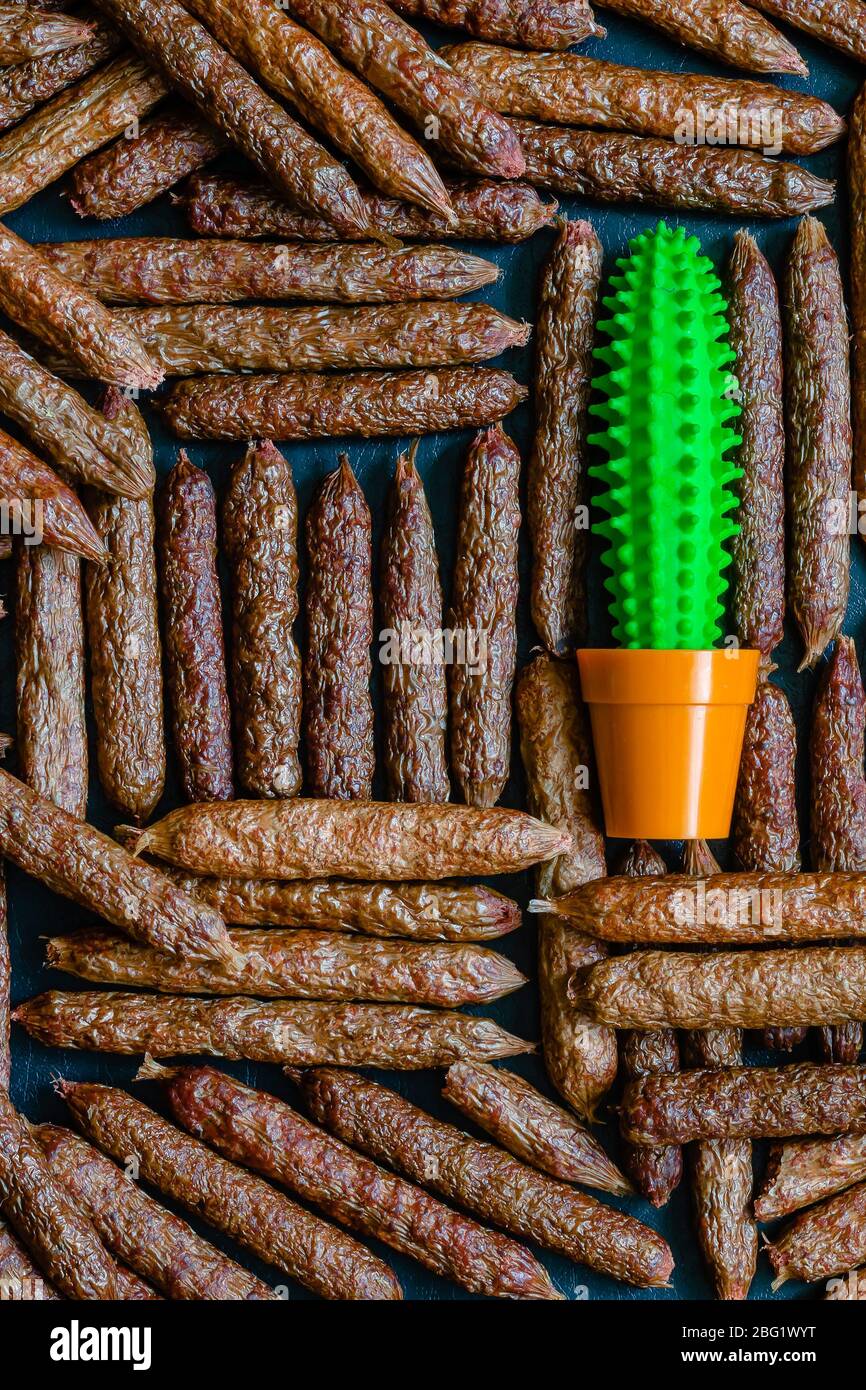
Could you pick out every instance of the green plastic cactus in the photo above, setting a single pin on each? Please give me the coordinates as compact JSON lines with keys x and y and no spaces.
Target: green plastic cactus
{"x":669,"y":394}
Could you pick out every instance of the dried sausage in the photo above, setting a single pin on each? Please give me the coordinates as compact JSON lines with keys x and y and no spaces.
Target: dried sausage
{"x":62,"y":520}
{"x":531,"y":1127}
{"x":484,"y":1179}
{"x":20,"y":1279}
{"x":259,"y":524}
{"x":819,"y":439}
{"x":134,"y":171}
{"x":53,"y":139}
{"x":123,"y":636}
{"x":397,"y":1036}
{"x":264,"y":1134}
{"x":836,"y":22}
{"x":38,"y":297}
{"x":798,"y":1175}
{"x":61,"y":1239}
{"x":318,"y":1255}
{"x":338,"y":710}
{"x":526,"y":23}
{"x":75,"y":860}
{"x":222,"y":91}
{"x":5,"y":987}
{"x":195,"y":656}
{"x":358,"y":404}
{"x":765,"y":832}
{"x":483,"y":615}
{"x":143,"y":1234}
{"x":829,"y":1239}
{"x":49,"y":657}
{"x":484,"y":210}
{"x":758,"y":549}
{"x":569,"y":89}
{"x":32,"y":84}
{"x":76,"y":438}
{"x":303,"y":72}
{"x":413,"y":669}
{"x":163,"y":270}
{"x":723,"y":29}
{"x":26,"y":33}
{"x":299,"y":965}
{"x":396,"y":61}
{"x":744,"y":1103}
{"x":615,"y":168}
{"x":857,"y":235}
{"x":557,"y":483}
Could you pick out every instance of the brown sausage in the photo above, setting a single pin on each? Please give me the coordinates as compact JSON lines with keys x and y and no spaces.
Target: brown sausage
{"x":304,"y":73}
{"x":75,"y":860}
{"x":20,"y":1279}
{"x":5,"y":987}
{"x":484,"y":1179}
{"x":744,"y":1103}
{"x":828,"y":1239}
{"x":484,"y":209}
{"x":69,"y":319}
{"x":572,"y":90}
{"x":556,"y":486}
{"x":59,"y":1237}
{"x":32,"y":84}
{"x":396,"y":61}
{"x":259,"y":531}
{"x":531,"y":1127}
{"x":413,"y":668}
{"x":819,"y":439}
{"x":759,"y":548}
{"x":836,"y":22}
{"x":131,"y":173}
{"x":49,"y":655}
{"x":54,"y":138}
{"x":195,"y":656}
{"x":857,"y":235}
{"x":62,"y":520}
{"x":143,"y":1234}
{"x":26,"y":33}
{"x":282,"y":1234}
{"x":338,"y":710}
{"x":483,"y":614}
{"x":261,"y":1132}
{"x":123,"y":637}
{"x":397,"y":1036}
{"x":299,"y":965}
{"x":166,"y":270}
{"x":526,"y":23}
{"x":372,"y":841}
{"x":615,"y":168}
{"x":723,"y":29}
{"x":360,"y":404}
{"x":798,"y":1175}
{"x":221,"y":90}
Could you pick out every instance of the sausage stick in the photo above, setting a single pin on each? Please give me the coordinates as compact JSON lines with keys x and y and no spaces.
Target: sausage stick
{"x":745,"y":1103}
{"x":31,"y":33}
{"x":484,"y":1179}
{"x":829,"y":1239}
{"x":146,"y":1236}
{"x":723,"y":29}
{"x":526,"y":23}
{"x":299,"y":965}
{"x":165,"y":270}
{"x":483,"y":609}
{"x":301,"y":71}
{"x":60,"y":1238}
{"x":857,"y":234}
{"x":21,"y":1281}
{"x":5,"y":988}
{"x":261,"y":1132}
{"x":362,"y":405}
{"x":259,"y":532}
{"x":835,"y":22}
{"x":32,"y":84}
{"x":53,"y":139}
{"x":569,"y":89}
{"x":337,"y":707}
{"x":310,"y":1250}
{"x":62,"y":520}
{"x":398,"y":1036}
{"x":49,"y":657}
{"x":615,"y":168}
{"x":132,"y":172}
{"x":75,"y":860}
{"x":801,"y":1174}
{"x":484,"y":210}
{"x":557,"y":483}
{"x":222,"y":91}
{"x":531,"y":1127}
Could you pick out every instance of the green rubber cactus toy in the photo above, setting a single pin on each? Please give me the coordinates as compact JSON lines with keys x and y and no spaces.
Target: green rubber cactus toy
{"x":669,"y":396}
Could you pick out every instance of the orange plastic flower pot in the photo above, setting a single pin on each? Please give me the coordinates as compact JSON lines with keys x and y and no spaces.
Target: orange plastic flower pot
{"x":668,"y":732}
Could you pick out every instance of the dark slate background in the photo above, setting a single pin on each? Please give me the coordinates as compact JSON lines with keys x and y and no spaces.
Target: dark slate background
{"x":34,"y":912}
